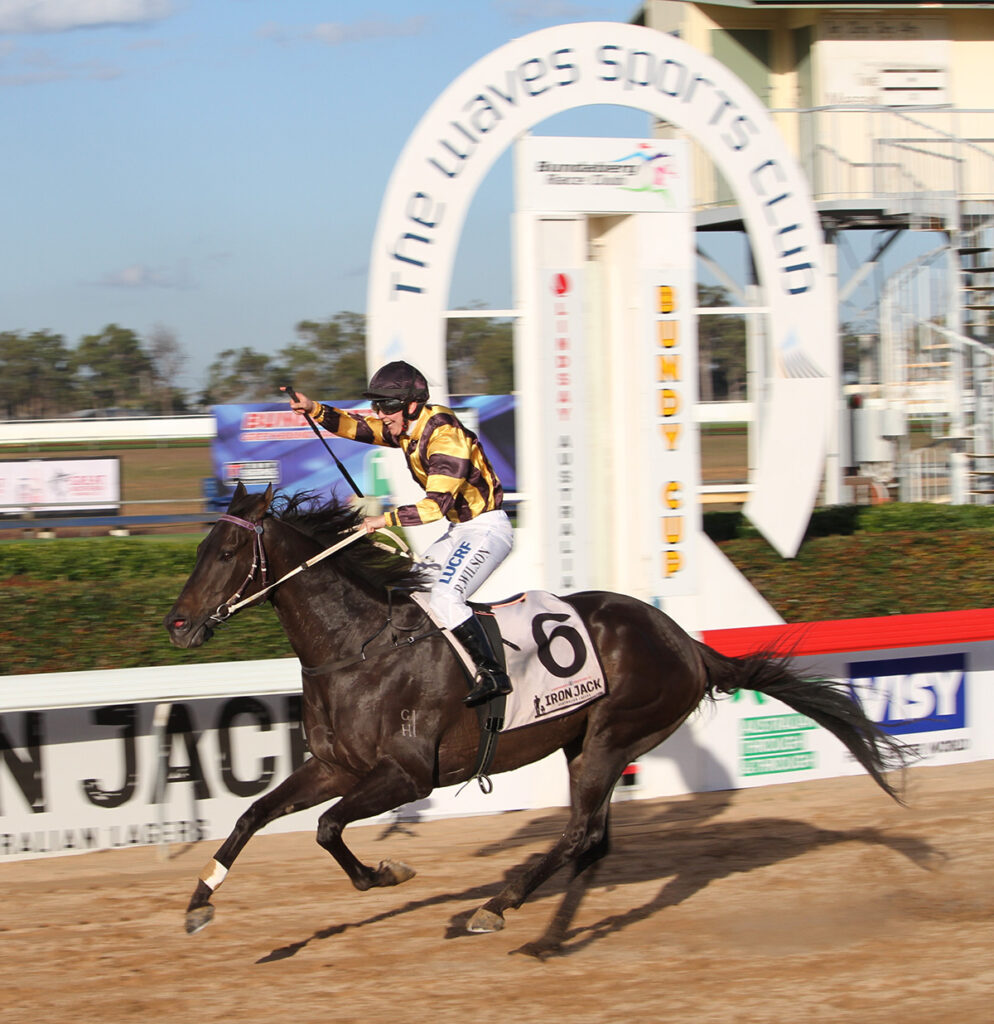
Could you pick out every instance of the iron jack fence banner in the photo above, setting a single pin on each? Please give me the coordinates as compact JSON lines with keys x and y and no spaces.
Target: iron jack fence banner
{"x":116,"y":772}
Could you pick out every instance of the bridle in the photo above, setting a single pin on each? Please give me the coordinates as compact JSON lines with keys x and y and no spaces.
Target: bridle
{"x":235,"y":603}
{"x":226,"y":609}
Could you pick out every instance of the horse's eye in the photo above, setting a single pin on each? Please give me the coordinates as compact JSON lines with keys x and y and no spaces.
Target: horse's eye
{"x":226,"y":555}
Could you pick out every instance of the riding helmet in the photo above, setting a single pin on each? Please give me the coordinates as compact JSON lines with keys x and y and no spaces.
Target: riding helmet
{"x":398,"y":380}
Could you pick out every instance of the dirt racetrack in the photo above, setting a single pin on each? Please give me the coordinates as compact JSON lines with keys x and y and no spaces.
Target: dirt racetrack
{"x":816,"y":901}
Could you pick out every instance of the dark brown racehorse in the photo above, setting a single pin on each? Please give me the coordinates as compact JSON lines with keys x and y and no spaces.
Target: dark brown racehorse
{"x":356,"y":713}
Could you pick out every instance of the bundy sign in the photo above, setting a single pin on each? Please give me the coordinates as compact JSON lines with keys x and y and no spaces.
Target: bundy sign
{"x":76,"y":779}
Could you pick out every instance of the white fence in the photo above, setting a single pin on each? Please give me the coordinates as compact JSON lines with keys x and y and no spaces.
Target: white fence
{"x":151,"y":428}
{"x":97,"y":760}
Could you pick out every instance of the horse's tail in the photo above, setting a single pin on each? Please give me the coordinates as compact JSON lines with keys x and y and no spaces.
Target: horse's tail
{"x":827,"y":702}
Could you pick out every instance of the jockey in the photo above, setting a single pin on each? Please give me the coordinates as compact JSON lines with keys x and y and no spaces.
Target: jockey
{"x":460,"y":485}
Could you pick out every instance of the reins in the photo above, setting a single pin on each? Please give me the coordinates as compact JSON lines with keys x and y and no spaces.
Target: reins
{"x":236,"y":602}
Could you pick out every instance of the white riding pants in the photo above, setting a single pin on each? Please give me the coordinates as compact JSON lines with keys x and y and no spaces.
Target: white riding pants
{"x":460,"y":561}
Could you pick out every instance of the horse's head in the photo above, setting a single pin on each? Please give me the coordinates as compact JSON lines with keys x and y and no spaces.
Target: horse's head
{"x":226,"y":569}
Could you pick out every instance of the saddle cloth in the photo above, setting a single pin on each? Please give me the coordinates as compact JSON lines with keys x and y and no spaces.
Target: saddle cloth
{"x":550,"y":659}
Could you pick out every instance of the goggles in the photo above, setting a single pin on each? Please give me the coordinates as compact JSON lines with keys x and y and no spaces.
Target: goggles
{"x":388,"y":405}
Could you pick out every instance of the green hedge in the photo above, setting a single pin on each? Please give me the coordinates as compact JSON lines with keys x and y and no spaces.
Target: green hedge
{"x":92,"y":603}
{"x":865,"y":561}
{"x":99,"y":559}
{"x":845,"y":520}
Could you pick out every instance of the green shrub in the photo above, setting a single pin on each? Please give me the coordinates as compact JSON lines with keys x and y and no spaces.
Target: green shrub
{"x":927,"y":518}
{"x":98,"y":558}
{"x":98,"y":603}
{"x":846,"y":520}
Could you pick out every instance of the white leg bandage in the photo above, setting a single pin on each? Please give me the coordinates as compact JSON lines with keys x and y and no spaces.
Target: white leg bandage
{"x":213,"y":875}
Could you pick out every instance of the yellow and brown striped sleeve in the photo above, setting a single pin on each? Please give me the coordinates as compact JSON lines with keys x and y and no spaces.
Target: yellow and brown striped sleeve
{"x":354,"y":426}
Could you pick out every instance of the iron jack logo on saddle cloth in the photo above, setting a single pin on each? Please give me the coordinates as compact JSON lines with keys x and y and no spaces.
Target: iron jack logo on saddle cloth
{"x":551,"y":662}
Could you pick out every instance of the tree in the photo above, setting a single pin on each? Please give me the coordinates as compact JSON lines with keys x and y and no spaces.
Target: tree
{"x":329,"y":361}
{"x":36,"y":375}
{"x":721,"y":348}
{"x":855,"y":348}
{"x":113,"y":369}
{"x":480,"y":355}
{"x":242,"y":375}
{"x":167,"y":358}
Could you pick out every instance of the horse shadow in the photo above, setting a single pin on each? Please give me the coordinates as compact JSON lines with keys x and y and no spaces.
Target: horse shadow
{"x":649,"y":844}
{"x":733,"y":848}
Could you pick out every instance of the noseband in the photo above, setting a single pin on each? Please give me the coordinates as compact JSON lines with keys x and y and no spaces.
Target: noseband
{"x":258,"y":561}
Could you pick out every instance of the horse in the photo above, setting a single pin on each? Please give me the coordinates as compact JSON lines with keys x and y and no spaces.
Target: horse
{"x":358,"y":691}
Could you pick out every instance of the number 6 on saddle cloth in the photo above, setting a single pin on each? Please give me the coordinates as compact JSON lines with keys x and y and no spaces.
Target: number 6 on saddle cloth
{"x":549,"y":656}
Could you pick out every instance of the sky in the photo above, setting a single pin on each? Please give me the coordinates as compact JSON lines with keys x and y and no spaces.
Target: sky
{"x":215,"y":167}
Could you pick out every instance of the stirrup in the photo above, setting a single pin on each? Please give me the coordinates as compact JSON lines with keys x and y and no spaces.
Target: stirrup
{"x":488,"y":686}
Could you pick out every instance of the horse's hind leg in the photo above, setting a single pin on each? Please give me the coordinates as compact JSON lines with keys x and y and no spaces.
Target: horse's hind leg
{"x":312,"y":783}
{"x":584,"y":841}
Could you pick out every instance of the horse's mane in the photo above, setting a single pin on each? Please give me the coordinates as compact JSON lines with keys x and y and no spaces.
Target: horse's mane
{"x":328,"y":522}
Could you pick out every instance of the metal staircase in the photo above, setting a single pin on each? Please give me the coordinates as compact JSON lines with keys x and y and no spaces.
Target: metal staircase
{"x":936,"y":320}
{"x":976,"y":267}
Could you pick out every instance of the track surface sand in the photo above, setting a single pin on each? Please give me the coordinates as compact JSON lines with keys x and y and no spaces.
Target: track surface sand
{"x":817,"y":901}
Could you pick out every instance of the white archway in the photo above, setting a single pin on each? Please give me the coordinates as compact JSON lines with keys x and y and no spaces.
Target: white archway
{"x":536,"y":76}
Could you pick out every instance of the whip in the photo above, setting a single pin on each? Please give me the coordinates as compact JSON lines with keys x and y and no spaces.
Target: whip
{"x":327,"y":447}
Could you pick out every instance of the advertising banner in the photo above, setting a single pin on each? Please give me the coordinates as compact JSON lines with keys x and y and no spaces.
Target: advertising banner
{"x":50,"y":486}
{"x":265,"y":443}
{"x":78,"y":779}
{"x":935,"y":697}
{"x":101,"y":776}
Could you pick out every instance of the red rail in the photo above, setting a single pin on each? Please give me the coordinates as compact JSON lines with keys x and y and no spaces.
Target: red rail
{"x":889,"y":631}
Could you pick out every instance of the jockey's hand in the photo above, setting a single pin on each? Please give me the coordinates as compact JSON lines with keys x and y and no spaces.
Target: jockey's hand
{"x":371,"y":523}
{"x":302,"y":404}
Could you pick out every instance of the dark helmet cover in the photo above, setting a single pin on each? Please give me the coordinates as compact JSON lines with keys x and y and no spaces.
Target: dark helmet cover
{"x":398,"y":380}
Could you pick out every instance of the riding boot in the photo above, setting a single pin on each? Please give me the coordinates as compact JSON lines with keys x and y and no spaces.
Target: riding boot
{"x":491,"y":679}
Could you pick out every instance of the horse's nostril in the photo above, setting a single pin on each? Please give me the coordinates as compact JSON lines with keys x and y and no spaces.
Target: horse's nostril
{"x":178,"y":623}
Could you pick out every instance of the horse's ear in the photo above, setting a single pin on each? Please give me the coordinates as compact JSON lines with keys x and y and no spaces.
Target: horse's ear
{"x":238,"y":494}
{"x":259,"y":504}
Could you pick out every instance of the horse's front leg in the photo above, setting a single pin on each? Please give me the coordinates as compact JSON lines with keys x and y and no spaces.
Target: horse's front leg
{"x":312,"y":783}
{"x":387,"y":786}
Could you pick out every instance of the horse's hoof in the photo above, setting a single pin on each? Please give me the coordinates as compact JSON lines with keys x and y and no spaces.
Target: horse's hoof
{"x":394,"y":872}
{"x":198,"y":919}
{"x":485,"y":921}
